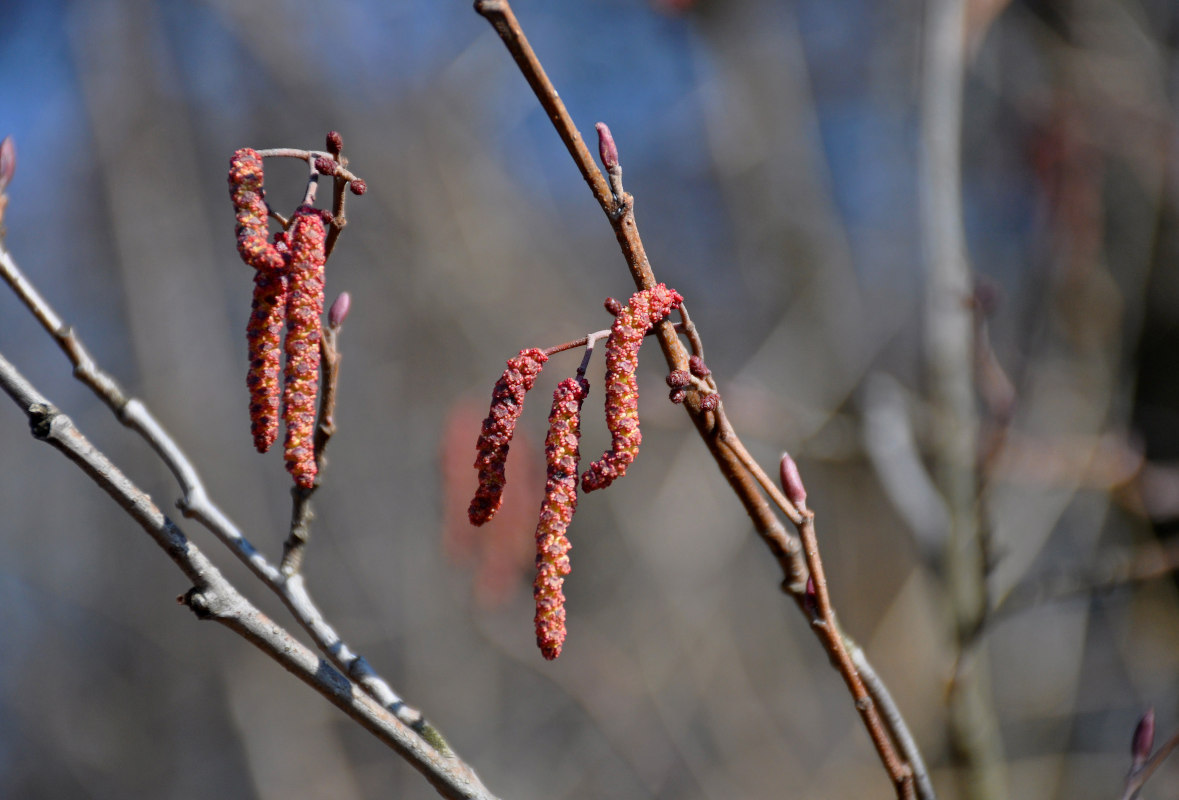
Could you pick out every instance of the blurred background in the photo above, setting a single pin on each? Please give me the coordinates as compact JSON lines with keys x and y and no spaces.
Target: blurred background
{"x":774,"y":150}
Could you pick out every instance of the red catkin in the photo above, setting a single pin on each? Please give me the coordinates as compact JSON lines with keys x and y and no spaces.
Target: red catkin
{"x":556,"y":512}
{"x":507,"y":401}
{"x":645,"y":309}
{"x":249,"y":206}
{"x":303,"y":312}
{"x":263,"y":336}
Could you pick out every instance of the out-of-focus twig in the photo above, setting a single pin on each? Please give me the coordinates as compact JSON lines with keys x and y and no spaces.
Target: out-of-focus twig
{"x":949,"y":329}
{"x":214,"y":597}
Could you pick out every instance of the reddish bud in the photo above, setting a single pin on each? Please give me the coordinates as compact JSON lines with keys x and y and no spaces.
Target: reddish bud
{"x":7,"y":162}
{"x":339,"y":310}
{"x":1143,"y":741}
{"x":810,"y":598}
{"x":606,"y":147}
{"x":677,"y":395}
{"x":358,"y":187}
{"x":613,"y":306}
{"x":791,"y":481}
{"x":698,"y":367}
{"x":335,"y":144}
{"x":678,"y":378}
{"x":709,"y":402}
{"x":325,"y":165}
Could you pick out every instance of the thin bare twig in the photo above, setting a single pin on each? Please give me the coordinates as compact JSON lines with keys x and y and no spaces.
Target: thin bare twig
{"x":746,"y":479}
{"x":213,"y":597}
{"x":1141,"y":774}
{"x":195,"y":503}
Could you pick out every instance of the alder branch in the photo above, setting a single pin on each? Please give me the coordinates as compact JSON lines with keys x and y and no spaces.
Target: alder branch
{"x":213,"y":597}
{"x":195,"y":503}
{"x":746,"y":479}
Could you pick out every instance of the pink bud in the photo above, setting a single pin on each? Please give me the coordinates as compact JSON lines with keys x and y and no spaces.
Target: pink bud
{"x":1143,"y":741}
{"x":811,"y":598}
{"x":339,"y":310}
{"x":606,"y":147}
{"x":325,"y":166}
{"x":7,"y":161}
{"x":677,"y":395}
{"x":791,"y":481}
{"x":358,"y":187}
{"x":334,"y":143}
{"x":709,"y":402}
{"x":613,"y":306}
{"x":678,"y":377}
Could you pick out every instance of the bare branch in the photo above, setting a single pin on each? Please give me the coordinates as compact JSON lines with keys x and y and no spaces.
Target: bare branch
{"x":213,"y":597}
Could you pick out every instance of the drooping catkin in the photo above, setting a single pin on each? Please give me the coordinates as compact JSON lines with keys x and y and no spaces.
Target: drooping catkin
{"x":645,"y":309}
{"x":249,"y":206}
{"x":507,"y":401}
{"x":556,"y":511}
{"x":303,"y":311}
{"x":264,"y":339}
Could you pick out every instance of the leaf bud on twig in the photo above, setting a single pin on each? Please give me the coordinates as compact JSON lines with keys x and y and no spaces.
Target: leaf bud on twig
{"x":677,"y":395}
{"x":335,"y":143}
{"x":613,"y":306}
{"x":606,"y":147}
{"x":507,"y":402}
{"x":678,"y":378}
{"x":1143,"y":741}
{"x":339,"y":310}
{"x":709,"y":402}
{"x":792,"y":481}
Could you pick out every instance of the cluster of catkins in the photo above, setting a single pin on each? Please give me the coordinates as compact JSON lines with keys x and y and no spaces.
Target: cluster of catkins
{"x":288,"y":291}
{"x":631,"y":323}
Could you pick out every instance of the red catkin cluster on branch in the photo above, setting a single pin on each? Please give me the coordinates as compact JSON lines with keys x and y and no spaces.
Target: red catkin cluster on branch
{"x":556,"y":512}
{"x":304,"y":310}
{"x":288,"y":290}
{"x":645,"y":309}
{"x":507,"y":401}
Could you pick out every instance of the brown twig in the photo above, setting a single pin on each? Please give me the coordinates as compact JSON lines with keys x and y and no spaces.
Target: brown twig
{"x":725,"y":446}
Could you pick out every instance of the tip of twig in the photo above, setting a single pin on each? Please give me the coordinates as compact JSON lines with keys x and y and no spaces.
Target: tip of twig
{"x":606,"y":147}
{"x":357,"y":187}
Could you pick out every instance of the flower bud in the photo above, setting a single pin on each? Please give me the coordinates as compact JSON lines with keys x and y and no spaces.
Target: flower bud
{"x":358,"y":187}
{"x":339,"y":310}
{"x":335,"y":143}
{"x":1143,"y":741}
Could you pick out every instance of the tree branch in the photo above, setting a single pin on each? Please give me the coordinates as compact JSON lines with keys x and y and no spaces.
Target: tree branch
{"x":213,"y":597}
